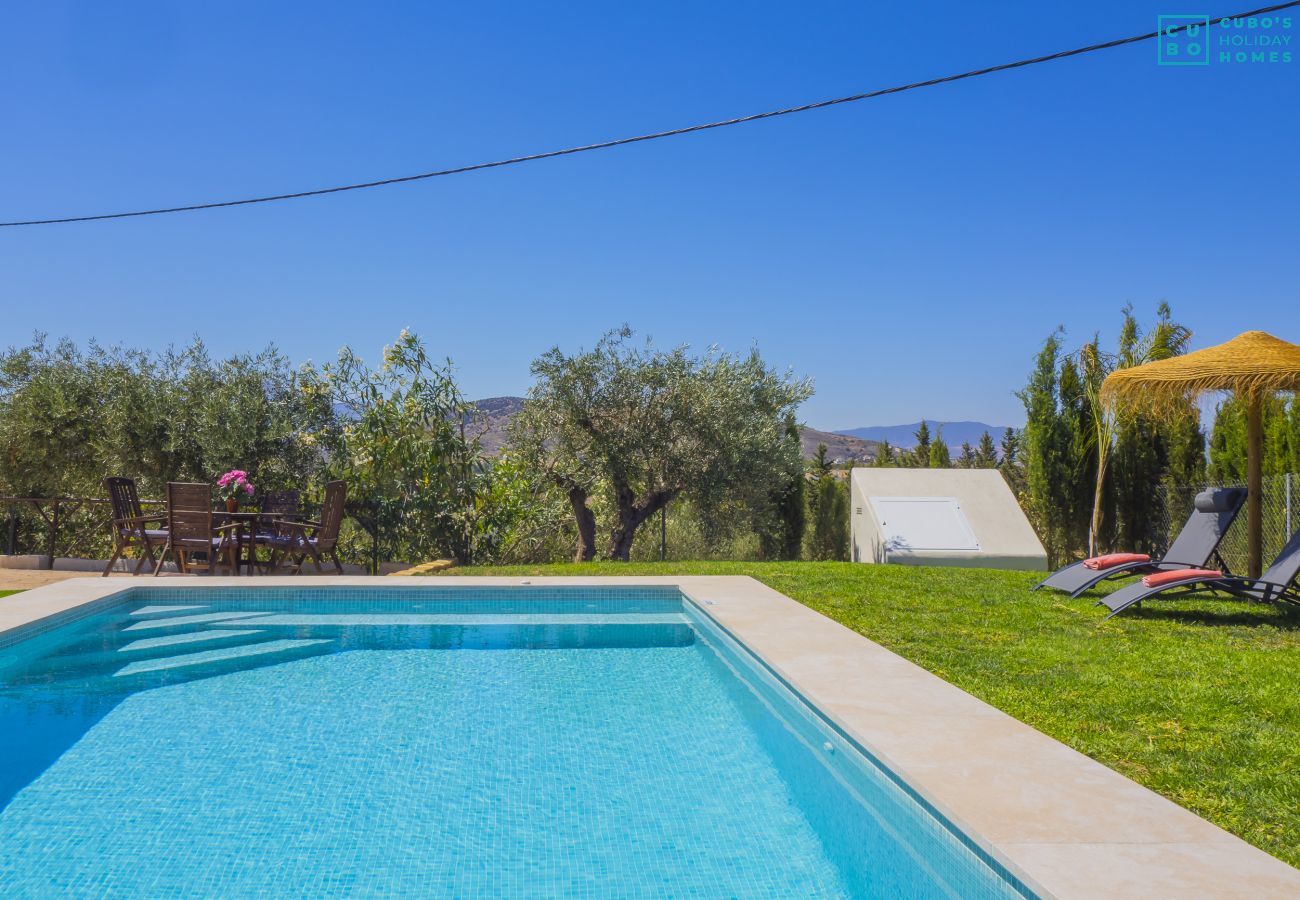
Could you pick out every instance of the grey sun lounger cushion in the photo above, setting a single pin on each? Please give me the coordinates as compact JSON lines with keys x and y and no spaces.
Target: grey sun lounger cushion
{"x":1212,"y":513}
{"x":1277,"y":583}
{"x":1224,"y":500}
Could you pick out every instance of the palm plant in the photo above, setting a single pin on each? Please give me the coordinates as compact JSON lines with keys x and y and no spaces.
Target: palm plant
{"x":1166,"y":339}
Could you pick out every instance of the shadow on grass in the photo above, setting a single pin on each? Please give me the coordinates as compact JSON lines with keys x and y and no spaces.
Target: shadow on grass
{"x":1286,"y":618}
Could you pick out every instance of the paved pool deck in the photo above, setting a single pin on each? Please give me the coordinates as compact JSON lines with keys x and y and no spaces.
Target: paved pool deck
{"x":1066,"y":825}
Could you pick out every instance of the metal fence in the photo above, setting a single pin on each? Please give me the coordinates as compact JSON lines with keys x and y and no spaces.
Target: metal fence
{"x":1280,"y":513}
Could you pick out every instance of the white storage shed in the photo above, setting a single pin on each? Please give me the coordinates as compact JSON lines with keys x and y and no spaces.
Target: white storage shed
{"x":940,"y":517}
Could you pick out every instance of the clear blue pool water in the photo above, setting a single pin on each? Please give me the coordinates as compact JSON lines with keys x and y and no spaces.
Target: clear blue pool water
{"x":524,"y":742}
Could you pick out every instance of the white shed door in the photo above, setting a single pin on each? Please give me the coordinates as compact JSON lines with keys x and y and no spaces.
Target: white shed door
{"x":923,"y":523}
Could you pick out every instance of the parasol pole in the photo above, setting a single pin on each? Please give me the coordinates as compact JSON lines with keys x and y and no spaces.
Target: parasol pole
{"x":1254,"y":502}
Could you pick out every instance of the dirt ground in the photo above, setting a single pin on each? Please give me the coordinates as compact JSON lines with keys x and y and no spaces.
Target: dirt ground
{"x":24,"y":579}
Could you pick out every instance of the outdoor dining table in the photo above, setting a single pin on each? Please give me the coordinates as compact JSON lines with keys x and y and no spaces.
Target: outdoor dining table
{"x":245,"y":535}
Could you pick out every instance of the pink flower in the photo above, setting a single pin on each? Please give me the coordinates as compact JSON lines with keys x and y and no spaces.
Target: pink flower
{"x":234,"y":480}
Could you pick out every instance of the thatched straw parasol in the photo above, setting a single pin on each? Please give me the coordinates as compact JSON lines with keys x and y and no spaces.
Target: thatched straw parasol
{"x":1250,"y":365}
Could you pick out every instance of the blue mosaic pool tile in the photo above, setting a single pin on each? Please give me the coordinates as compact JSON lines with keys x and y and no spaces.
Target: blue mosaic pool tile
{"x":611,"y":742}
{"x":517,"y":773}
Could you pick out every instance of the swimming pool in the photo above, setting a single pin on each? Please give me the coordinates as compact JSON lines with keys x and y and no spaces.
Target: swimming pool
{"x":526,"y":741}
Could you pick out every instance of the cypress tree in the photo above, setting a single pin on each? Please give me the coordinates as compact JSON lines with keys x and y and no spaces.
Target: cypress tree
{"x":1277,"y":437}
{"x":819,"y":468}
{"x":821,"y":463}
{"x":1145,"y":449}
{"x":1140,"y":458}
{"x":1228,"y":443}
{"x":1186,"y":453}
{"x":1079,"y":434}
{"x":830,"y":527}
{"x":1228,"y":439}
{"x":1043,"y":443}
{"x":920,"y":456}
{"x":940,"y":457}
{"x":884,"y":455}
{"x":1010,"y":447}
{"x":1009,"y":463}
{"x":782,"y":537}
{"x":1185,"y":472}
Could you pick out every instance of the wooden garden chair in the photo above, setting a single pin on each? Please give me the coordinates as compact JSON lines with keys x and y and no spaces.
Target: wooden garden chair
{"x":130,"y":526}
{"x":275,"y":506}
{"x":280,"y":505}
{"x":299,"y":541}
{"x":192,"y":529}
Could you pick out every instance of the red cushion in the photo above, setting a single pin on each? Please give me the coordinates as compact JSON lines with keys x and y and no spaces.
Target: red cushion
{"x":1110,"y":560}
{"x":1158,"y":578}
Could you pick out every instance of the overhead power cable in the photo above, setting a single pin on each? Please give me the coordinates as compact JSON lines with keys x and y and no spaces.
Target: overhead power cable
{"x":605,"y":145}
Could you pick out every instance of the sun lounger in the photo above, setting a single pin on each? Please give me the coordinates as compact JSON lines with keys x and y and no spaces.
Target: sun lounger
{"x":1195,"y":547}
{"x":1277,"y":584}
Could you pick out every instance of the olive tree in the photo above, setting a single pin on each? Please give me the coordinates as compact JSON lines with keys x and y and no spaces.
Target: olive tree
{"x":398,"y":438}
{"x":642,"y":426}
{"x":69,"y":417}
{"x":49,"y":421}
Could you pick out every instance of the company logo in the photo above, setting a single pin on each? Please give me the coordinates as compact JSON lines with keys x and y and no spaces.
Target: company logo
{"x":1183,"y":41}
{"x":1196,"y":40}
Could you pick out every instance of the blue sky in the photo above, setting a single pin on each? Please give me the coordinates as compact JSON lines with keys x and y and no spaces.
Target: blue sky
{"x":909,"y":253}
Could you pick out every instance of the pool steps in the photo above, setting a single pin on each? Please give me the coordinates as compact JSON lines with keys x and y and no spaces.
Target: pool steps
{"x":164,"y":610}
{"x":186,"y":641}
{"x":167,"y":643}
{"x":388,"y":620}
{"x":282,"y":649}
{"x":157,"y":623}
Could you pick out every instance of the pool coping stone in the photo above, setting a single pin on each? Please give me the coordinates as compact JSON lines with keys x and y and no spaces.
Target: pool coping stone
{"x":1063,"y":823}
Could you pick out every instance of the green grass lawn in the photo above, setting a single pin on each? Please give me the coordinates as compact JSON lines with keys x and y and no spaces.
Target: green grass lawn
{"x":1196,"y":700}
{"x":7,"y":593}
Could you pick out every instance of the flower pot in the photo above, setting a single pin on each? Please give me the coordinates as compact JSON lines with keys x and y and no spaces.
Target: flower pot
{"x":232,"y":505}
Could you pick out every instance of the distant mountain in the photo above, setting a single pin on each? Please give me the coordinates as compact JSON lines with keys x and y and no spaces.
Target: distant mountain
{"x":839,"y":447}
{"x":493,"y":417}
{"x":954,"y":433}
